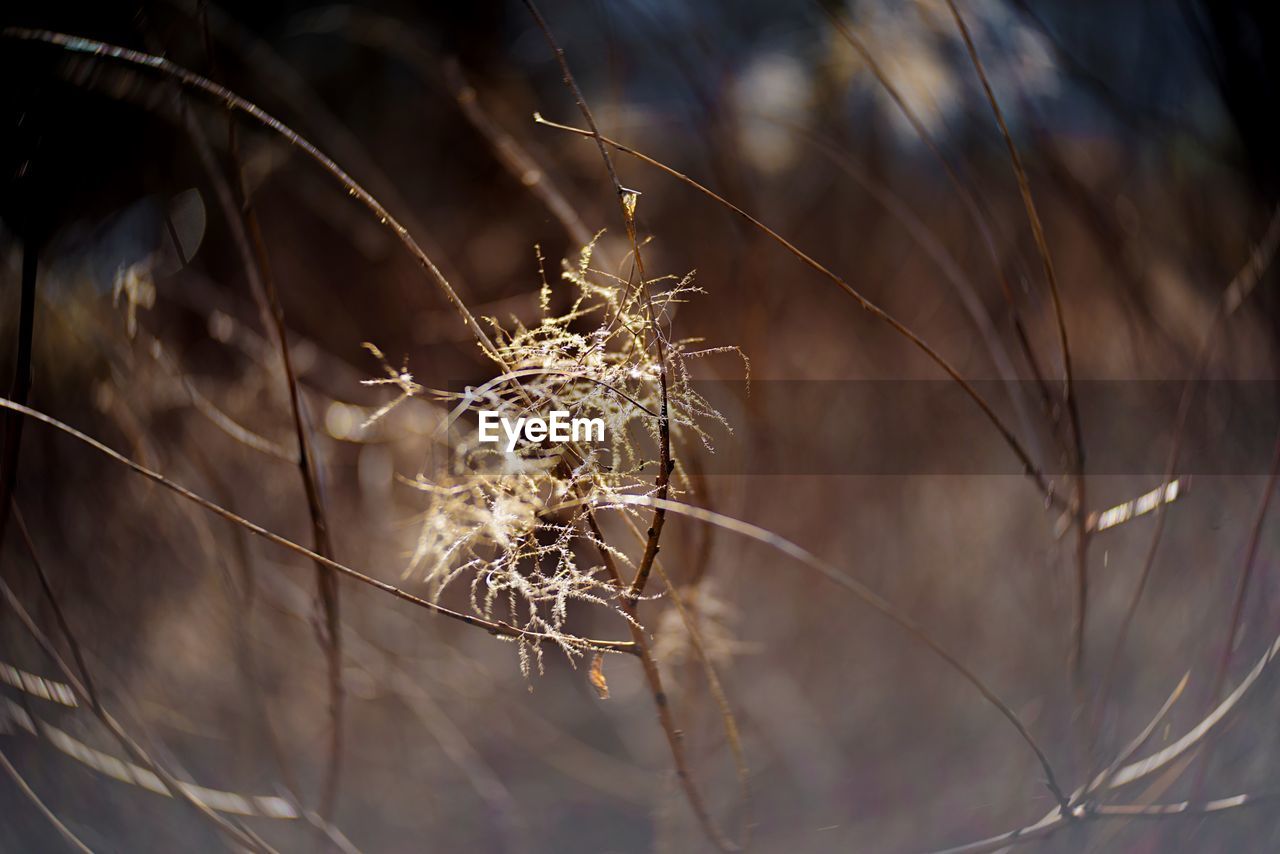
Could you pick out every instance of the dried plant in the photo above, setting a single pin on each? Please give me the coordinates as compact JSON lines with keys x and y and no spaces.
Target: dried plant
{"x":540,"y":542}
{"x":496,"y":519}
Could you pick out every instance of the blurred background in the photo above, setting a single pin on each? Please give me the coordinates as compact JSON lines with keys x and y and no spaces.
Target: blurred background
{"x":858,"y":131}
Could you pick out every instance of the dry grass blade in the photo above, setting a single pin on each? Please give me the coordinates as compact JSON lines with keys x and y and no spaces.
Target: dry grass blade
{"x":37,"y":686}
{"x":1103,"y":780}
{"x":1080,"y":799}
{"x":1135,"y":508}
{"x":1118,"y":774}
{"x":1049,"y":826}
{"x":1144,"y":767}
{"x":1004,"y":841}
{"x":230,"y":803}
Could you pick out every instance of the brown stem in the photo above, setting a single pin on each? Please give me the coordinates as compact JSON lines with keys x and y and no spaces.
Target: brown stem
{"x":675,"y":737}
{"x":1075,"y":657}
{"x":627,"y":203}
{"x":326,"y":582}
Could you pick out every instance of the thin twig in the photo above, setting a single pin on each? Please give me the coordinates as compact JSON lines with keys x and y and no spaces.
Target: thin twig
{"x":326,"y":582}
{"x":967,"y":197}
{"x":653,"y":676}
{"x":1135,"y":771}
{"x":729,"y":721}
{"x":227,"y":803}
{"x":627,"y":203}
{"x":77,"y":653}
{"x":1082,"y":797}
{"x":63,"y":831}
{"x":1139,"y":741}
{"x":1076,"y":656}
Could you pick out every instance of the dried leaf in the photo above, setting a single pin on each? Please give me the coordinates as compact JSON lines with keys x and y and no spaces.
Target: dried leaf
{"x":597,"y":676}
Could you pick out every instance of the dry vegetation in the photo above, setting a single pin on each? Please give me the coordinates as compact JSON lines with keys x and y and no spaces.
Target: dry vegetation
{"x":264,"y":589}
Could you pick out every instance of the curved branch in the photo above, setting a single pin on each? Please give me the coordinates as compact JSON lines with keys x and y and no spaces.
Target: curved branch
{"x":864,"y":593}
{"x":493,"y":627}
{"x":231,"y":101}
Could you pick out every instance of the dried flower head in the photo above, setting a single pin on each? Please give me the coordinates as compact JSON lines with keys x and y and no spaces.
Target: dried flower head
{"x":514,"y":524}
